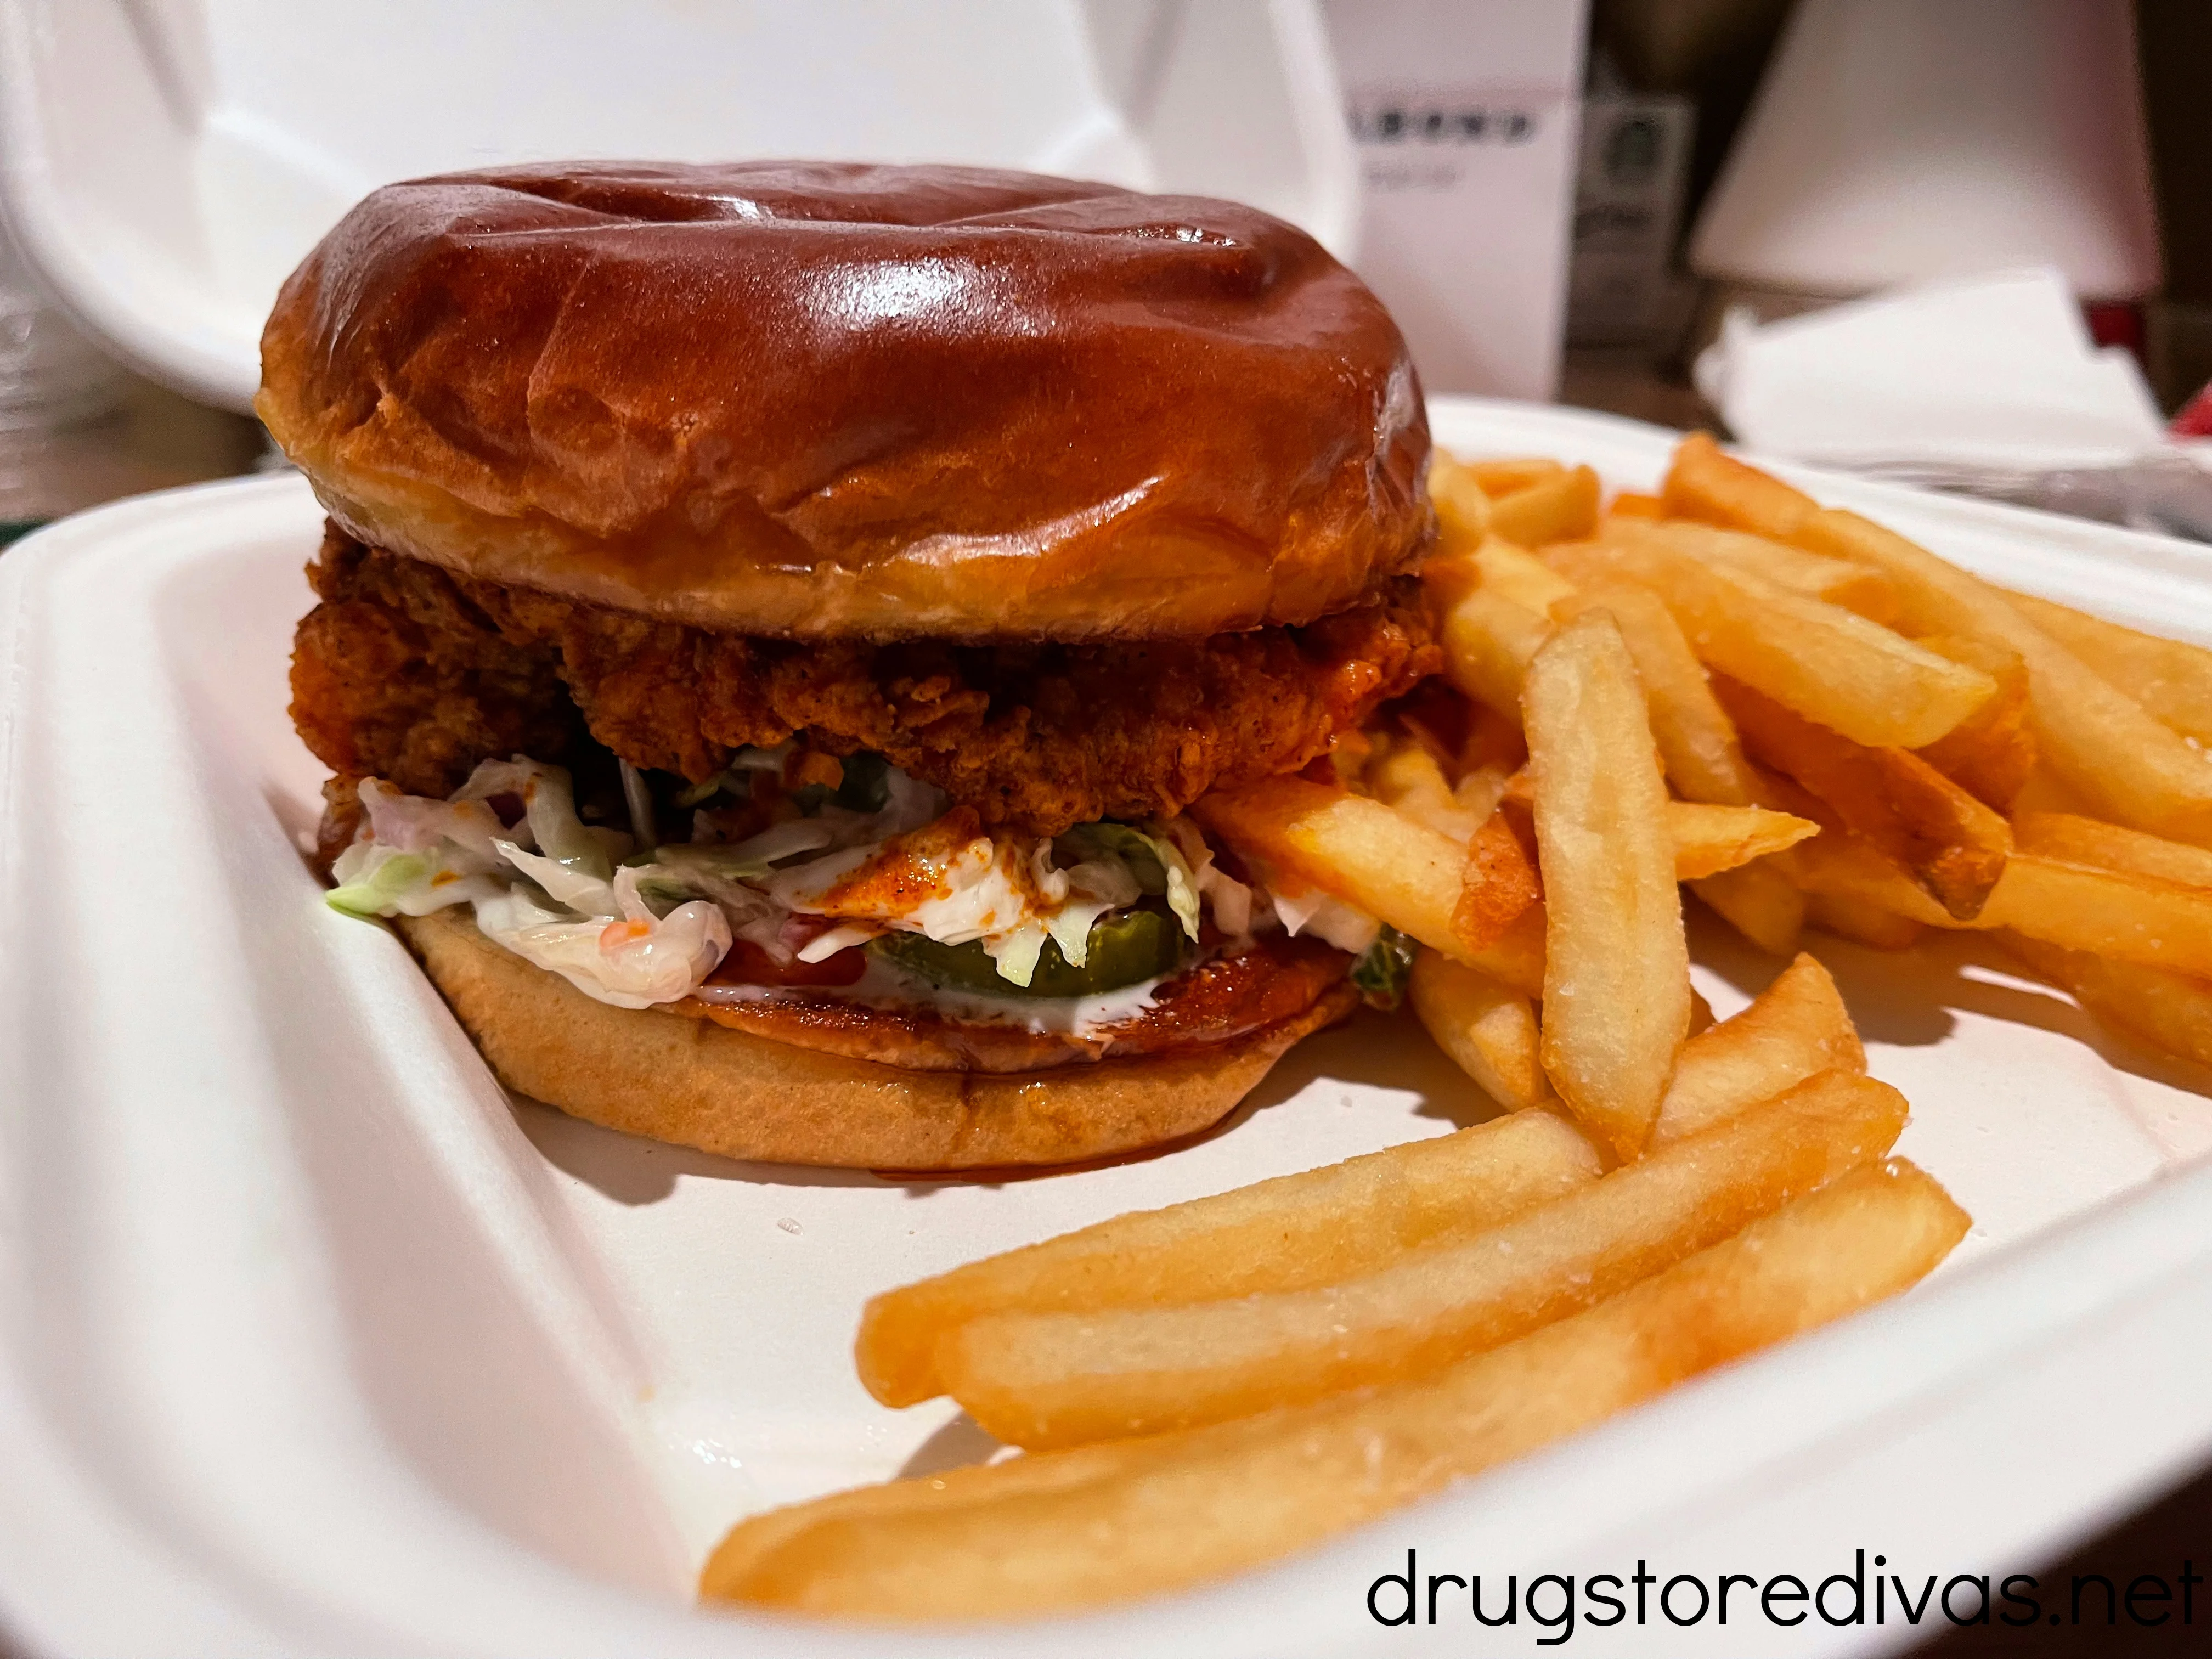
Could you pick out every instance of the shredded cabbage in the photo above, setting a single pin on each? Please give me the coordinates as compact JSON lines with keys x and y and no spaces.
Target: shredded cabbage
{"x":634,"y":930}
{"x":1153,"y":859}
{"x":632,"y":960}
{"x":1312,"y":911}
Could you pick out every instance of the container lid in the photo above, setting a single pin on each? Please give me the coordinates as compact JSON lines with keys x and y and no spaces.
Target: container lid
{"x":167,"y":162}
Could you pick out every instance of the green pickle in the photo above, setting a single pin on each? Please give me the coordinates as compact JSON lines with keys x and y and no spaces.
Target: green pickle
{"x":1124,"y":947}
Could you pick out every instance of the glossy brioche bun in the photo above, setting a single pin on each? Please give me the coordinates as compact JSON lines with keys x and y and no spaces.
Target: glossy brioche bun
{"x":698,"y":1083}
{"x":820,"y":399}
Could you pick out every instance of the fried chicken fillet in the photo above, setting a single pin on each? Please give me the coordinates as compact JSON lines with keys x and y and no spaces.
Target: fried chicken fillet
{"x":408,"y":674}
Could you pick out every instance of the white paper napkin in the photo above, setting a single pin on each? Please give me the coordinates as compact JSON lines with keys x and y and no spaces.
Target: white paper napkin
{"x":1995,"y":372}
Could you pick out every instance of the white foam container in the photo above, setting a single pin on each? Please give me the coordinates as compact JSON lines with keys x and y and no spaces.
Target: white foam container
{"x":313,"y":1341}
{"x":165,"y":163}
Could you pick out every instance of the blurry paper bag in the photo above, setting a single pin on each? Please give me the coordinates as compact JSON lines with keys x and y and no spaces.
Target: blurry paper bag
{"x":1465,"y":114}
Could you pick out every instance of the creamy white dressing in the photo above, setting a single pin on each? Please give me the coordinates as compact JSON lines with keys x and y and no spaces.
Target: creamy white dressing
{"x":886,"y":985}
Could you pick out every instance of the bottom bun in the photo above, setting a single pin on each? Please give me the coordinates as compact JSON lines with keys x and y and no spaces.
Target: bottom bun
{"x":697,"y":1084}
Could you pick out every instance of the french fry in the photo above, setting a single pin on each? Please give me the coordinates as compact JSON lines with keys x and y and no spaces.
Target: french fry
{"x":741,"y":1561}
{"x":1288,"y":1234}
{"x":2172,"y":681}
{"x":1106,"y":1523}
{"x":1369,"y":856}
{"x":1759,"y":901}
{"x":1501,"y":476}
{"x":2108,"y":913}
{"x":1462,"y":503}
{"x":1552,"y":510}
{"x":2100,"y":742}
{"x":2169,"y":1011}
{"x":1796,"y":1028}
{"x":1517,"y":574}
{"x":1829,"y":664}
{"x":1699,"y":748}
{"x":1838,"y":581}
{"x":1481,"y":789}
{"x":1498,"y":887}
{"x":2109,"y":847}
{"x":2044,"y":792}
{"x":1708,"y":841}
{"x":1635,"y":504}
{"x":1991,"y":753}
{"x":1950,"y":843}
{"x":1499,"y":883}
{"x":1489,"y":641}
{"x":1488,"y":1028}
{"x":1617,"y":966}
{"x":1071,"y":1528}
{"x":1862,"y":922}
{"x":1405,"y":775}
{"x":1697,"y":741}
{"x":1703,"y":483}
{"x":1061,"y":1379}
{"x":1492,"y":740}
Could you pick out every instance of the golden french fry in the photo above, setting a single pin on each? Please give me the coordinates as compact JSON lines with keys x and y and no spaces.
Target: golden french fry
{"x":2109,"y":913}
{"x":1761,"y":902}
{"x":734,"y":1571}
{"x":1829,"y":664}
{"x":1699,"y":748}
{"x":1489,"y":641}
{"x":1287,"y":1234}
{"x":1862,"y":922}
{"x":1950,"y":843}
{"x":1617,"y":968}
{"x":1697,"y":741}
{"x":1703,"y":483}
{"x":1551,"y":510}
{"x":1795,"y":1028}
{"x":1839,"y":581}
{"x":1492,"y":740}
{"x":1503,"y":475}
{"x":1488,"y":1028}
{"x":2172,"y":681}
{"x":1635,"y":504}
{"x":1498,"y":887}
{"x":1481,"y":789}
{"x":1405,"y":775}
{"x":1104,"y":1523}
{"x":1063,"y":1379}
{"x":1369,"y":856}
{"x":1709,"y":841}
{"x":1499,"y":883}
{"x":2109,"y":847}
{"x":2170,"y":1012}
{"x":1991,"y":753}
{"x":1516,"y":574}
{"x":2098,"y":740}
{"x":2044,"y":792}
{"x":1462,"y":503}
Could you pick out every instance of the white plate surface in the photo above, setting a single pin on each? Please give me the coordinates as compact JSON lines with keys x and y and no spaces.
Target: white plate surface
{"x":318,"y":1342}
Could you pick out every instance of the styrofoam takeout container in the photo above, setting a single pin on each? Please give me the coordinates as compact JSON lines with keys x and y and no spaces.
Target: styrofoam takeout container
{"x":167,"y":162}
{"x":313,"y":1341}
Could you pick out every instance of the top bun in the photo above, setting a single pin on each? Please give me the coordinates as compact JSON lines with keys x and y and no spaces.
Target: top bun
{"x":817,"y":399}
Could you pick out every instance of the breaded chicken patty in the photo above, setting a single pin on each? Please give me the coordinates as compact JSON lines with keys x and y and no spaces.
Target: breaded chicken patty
{"x":408,"y":673}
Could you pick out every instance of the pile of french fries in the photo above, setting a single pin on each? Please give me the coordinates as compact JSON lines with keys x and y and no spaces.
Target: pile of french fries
{"x":1801,"y":716}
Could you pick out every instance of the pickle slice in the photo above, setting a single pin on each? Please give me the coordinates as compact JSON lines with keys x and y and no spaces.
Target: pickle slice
{"x":1124,"y":947}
